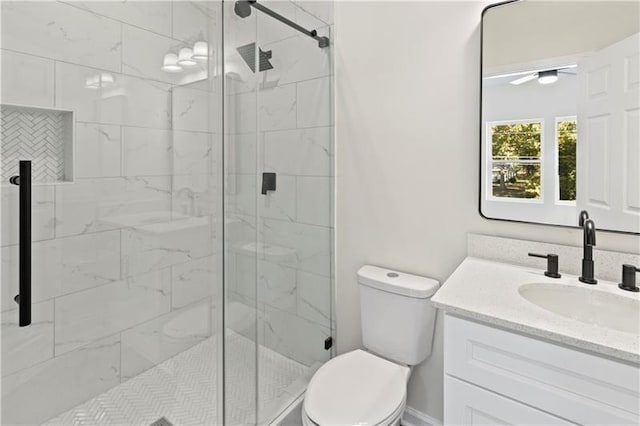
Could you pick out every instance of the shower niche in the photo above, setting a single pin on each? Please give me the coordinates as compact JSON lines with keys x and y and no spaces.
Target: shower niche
{"x":43,"y":135}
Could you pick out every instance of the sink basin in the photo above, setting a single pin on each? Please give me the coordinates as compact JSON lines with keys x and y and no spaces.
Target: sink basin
{"x":586,"y":305}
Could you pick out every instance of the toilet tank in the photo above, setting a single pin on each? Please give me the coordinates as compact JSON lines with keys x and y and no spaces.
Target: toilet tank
{"x":397,"y":316}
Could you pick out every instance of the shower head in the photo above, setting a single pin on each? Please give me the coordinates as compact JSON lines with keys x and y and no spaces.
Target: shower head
{"x":248,"y":53}
{"x":242,"y":8}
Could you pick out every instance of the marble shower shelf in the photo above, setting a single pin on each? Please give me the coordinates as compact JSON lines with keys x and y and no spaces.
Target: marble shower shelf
{"x":43,"y":135}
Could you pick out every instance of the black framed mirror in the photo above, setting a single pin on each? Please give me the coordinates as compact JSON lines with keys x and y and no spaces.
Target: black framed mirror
{"x":560,"y":113}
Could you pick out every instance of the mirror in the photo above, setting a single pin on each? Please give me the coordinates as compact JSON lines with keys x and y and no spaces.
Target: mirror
{"x":560,"y":113}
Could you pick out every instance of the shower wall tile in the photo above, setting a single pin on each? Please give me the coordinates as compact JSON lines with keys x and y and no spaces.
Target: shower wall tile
{"x":150,"y":15}
{"x":33,"y":395}
{"x":194,"y":195}
{"x":146,"y":152}
{"x":270,"y":30}
{"x":143,"y":52}
{"x":26,"y":79}
{"x":314,"y":103}
{"x":46,"y":271}
{"x":277,"y":108}
{"x":245,"y":116}
{"x":277,"y":286}
{"x":314,"y":299}
{"x":295,"y":337}
{"x":311,"y":203}
{"x":301,"y":152}
{"x":239,"y":31}
{"x":242,"y":317}
{"x":230,"y":270}
{"x":192,"y":153}
{"x":155,"y":341}
{"x":43,"y":213}
{"x":303,"y":60}
{"x":62,"y":266}
{"x":23,"y":347}
{"x":240,"y":232}
{"x":243,"y":199}
{"x":97,"y":150}
{"x":194,"y":20}
{"x":179,"y":242}
{"x":88,"y":261}
{"x":246,"y":276}
{"x":88,"y":315}
{"x":193,"y":108}
{"x":105,"y":105}
{"x":148,"y":103}
{"x":241,"y":151}
{"x":215,"y":156}
{"x":128,"y":100}
{"x":90,"y":205}
{"x":241,"y":79}
{"x":310,"y":246}
{"x":315,"y":10}
{"x":193,"y":281}
{"x":59,"y":31}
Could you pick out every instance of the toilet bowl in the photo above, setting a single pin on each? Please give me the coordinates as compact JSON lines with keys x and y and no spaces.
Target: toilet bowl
{"x":370,"y":387}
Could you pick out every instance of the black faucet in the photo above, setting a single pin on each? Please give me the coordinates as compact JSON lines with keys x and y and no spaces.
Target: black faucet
{"x":589,"y":228}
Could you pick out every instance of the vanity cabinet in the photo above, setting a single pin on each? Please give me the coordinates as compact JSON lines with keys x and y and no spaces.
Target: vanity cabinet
{"x":495,"y":376}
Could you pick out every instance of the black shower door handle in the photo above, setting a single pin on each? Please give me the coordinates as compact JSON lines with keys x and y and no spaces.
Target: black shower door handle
{"x":23,"y":299}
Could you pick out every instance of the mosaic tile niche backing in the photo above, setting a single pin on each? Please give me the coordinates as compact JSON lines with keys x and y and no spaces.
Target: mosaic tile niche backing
{"x":44,"y":136}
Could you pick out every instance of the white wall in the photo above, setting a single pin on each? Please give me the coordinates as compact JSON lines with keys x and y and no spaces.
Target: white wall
{"x":407,"y":82}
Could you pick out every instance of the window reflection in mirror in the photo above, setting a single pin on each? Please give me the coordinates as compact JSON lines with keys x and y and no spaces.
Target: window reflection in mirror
{"x":516,"y":157}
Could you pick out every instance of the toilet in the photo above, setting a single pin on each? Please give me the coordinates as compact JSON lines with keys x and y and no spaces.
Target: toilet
{"x":369,"y":387}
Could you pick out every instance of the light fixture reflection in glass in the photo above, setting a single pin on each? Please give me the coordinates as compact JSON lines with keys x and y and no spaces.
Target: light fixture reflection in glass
{"x":170,"y":63}
{"x":99,"y":81}
{"x":548,"y":77}
{"x":185,"y":57}
{"x":200,"y":51}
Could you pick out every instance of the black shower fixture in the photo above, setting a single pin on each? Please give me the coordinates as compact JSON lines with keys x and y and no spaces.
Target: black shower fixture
{"x":243,"y":9}
{"x":248,"y":53}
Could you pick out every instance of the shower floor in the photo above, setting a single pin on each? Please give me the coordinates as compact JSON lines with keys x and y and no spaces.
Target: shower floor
{"x":183,"y":389}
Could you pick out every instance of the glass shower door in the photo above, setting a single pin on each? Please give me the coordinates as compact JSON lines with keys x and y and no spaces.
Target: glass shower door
{"x":279,"y":186}
{"x":116,"y":105}
{"x":240,"y":218}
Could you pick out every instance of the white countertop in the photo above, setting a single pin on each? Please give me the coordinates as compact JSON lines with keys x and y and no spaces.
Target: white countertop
{"x":488,"y":291}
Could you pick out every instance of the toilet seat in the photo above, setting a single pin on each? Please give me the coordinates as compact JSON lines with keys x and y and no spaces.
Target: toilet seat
{"x":356,"y":388}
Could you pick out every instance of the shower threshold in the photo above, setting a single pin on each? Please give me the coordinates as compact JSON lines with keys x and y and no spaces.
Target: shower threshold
{"x":183,"y":389}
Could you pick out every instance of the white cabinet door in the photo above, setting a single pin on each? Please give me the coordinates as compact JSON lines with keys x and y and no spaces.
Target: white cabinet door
{"x":581,"y":387}
{"x":608,"y":147}
{"x":467,"y":404}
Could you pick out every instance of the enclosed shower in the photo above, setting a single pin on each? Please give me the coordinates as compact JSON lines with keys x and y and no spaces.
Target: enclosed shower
{"x":167,"y":198}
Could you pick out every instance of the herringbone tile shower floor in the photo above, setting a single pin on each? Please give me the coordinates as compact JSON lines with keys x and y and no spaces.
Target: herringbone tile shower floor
{"x":183,"y":389}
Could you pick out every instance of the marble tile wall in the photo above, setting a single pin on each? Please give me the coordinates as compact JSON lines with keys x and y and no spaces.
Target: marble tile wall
{"x":281,"y":244}
{"x":125,"y":259}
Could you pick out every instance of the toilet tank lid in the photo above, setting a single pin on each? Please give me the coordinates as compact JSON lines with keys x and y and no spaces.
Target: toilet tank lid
{"x":397,"y":282}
